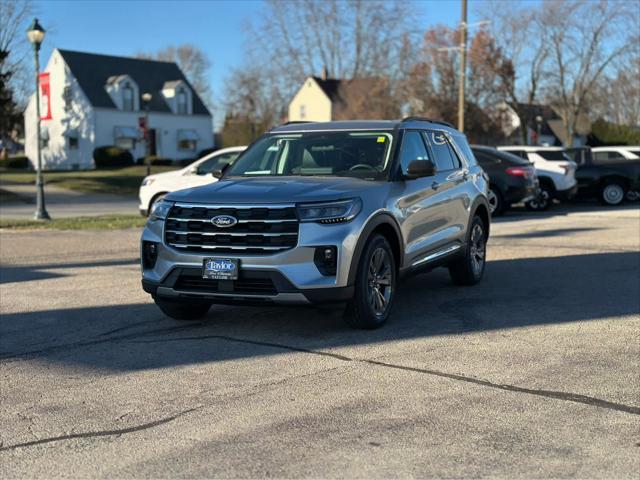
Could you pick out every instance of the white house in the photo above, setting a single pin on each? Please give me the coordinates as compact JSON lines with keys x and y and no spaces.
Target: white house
{"x":96,"y":100}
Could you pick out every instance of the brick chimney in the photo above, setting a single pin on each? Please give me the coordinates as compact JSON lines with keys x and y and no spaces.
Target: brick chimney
{"x":325,"y":73}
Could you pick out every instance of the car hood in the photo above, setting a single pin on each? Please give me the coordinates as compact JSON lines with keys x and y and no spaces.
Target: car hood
{"x":166,"y":175}
{"x":275,"y":190}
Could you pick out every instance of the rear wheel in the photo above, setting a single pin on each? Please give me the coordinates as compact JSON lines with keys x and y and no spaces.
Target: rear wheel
{"x":612,"y":193}
{"x":183,"y":309}
{"x":542,"y":201}
{"x":375,"y":286}
{"x":468,"y":269}
{"x":496,"y":203}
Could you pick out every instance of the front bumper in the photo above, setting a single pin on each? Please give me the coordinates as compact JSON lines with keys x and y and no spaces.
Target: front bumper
{"x":294,"y":276}
{"x":254,"y":287}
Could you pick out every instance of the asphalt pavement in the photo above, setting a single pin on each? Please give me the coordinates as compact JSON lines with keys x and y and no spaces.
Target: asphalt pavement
{"x":533,"y":373}
{"x":63,"y":203}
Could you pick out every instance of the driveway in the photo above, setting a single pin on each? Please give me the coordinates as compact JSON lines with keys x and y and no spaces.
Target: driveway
{"x":532,"y":373}
{"x":20,"y":202}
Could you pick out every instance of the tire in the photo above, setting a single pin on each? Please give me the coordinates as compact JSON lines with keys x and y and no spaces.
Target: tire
{"x":612,"y":193}
{"x":496,"y":203}
{"x":542,"y":202}
{"x":183,"y":309}
{"x":158,"y":198}
{"x":375,"y":286}
{"x":468,"y":269}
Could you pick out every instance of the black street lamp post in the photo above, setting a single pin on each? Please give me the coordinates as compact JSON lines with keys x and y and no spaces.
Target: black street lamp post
{"x":35,"y":33}
{"x":146,"y":99}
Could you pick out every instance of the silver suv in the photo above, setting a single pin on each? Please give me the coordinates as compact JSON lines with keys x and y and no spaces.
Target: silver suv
{"x":322,"y":213}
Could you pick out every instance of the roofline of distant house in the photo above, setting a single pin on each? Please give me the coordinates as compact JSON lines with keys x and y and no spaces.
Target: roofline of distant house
{"x":113,"y":56}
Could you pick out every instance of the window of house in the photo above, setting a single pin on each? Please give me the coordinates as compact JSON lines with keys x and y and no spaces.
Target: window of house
{"x":126,"y":143}
{"x":303,"y":112}
{"x":72,"y":143}
{"x":44,"y":137}
{"x":185,"y":144}
{"x":182,"y":102}
{"x":127,"y":97}
{"x":66,"y":96}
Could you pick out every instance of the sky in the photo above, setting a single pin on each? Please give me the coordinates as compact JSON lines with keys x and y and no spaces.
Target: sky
{"x":117,"y":27}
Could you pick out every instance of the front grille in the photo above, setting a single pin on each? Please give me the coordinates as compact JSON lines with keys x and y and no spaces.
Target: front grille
{"x":246,"y":286}
{"x":259,"y":229}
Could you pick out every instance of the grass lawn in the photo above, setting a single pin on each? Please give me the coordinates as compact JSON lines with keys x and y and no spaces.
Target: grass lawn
{"x":118,"y":181}
{"x":106,"y":222}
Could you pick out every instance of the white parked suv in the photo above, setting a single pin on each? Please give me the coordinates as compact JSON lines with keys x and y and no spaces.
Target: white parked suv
{"x":555,"y":170}
{"x":155,"y":187}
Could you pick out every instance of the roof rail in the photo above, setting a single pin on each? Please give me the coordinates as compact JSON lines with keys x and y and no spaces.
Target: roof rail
{"x":293,"y":122}
{"x":424,"y":119}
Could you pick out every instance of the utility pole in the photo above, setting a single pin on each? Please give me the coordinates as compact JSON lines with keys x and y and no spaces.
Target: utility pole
{"x":463,"y":65}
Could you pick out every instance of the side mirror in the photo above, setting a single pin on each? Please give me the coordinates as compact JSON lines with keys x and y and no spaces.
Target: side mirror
{"x":218,"y":172}
{"x":420,"y":168}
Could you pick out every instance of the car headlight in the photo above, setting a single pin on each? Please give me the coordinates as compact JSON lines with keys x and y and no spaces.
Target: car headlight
{"x":148,"y":181}
{"x":330,"y":212}
{"x":160,"y":210}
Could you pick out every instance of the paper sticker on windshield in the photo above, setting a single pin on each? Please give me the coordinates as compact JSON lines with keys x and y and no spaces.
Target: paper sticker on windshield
{"x":381,"y":139}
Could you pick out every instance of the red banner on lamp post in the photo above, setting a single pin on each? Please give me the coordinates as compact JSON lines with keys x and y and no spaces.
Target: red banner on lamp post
{"x":45,"y":97}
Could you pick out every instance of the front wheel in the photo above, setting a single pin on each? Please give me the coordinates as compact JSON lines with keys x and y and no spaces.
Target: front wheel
{"x":468,"y":269}
{"x":183,"y":309}
{"x":375,"y":286}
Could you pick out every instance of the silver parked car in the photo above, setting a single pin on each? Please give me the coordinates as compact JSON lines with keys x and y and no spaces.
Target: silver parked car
{"x":322,"y":213}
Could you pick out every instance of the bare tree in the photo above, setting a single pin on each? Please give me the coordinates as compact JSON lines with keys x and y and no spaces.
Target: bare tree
{"x":14,"y":16}
{"x":519,"y":35}
{"x":192,"y":61}
{"x":431,"y":88}
{"x":585,"y":39}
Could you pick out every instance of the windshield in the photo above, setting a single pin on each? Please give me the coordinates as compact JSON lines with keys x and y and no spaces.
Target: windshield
{"x":340,"y":154}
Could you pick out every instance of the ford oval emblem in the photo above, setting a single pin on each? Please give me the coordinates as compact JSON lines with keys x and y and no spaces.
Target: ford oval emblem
{"x":224,"y":221}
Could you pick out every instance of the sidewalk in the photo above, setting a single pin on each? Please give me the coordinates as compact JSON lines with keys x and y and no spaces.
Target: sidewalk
{"x":19,"y":201}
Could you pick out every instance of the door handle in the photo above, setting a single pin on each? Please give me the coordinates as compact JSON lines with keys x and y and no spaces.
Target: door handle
{"x":464,"y":174}
{"x":435,"y":185}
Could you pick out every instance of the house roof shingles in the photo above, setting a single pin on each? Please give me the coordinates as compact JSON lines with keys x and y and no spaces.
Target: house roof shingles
{"x":93,"y":72}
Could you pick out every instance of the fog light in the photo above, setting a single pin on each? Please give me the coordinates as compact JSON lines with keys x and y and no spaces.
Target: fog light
{"x":149,"y":254}
{"x":326,"y":260}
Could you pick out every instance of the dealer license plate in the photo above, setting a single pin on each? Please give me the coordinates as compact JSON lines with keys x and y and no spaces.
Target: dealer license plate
{"x":220,"y":268}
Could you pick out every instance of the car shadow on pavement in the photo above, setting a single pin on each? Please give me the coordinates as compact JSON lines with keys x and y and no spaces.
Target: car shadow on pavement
{"x":26,"y":273}
{"x":514,"y":293}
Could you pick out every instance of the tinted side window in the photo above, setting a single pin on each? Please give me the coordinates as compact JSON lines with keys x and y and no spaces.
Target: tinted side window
{"x":413,"y":148}
{"x":444,"y":156}
{"x":600,"y":158}
{"x":553,"y":155}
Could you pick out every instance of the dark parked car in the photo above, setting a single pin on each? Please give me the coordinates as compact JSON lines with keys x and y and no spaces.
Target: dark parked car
{"x":608,"y":177}
{"x":512,"y":179}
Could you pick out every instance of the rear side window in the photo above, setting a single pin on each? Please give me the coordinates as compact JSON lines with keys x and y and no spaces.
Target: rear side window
{"x":600,"y":158}
{"x":413,"y":148}
{"x":484,"y":158}
{"x":519,"y":153}
{"x":445,"y":157}
{"x":554,"y":155}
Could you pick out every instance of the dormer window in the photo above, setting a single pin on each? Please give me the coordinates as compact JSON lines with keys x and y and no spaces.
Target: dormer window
{"x":127,"y":97}
{"x":182,"y":101}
